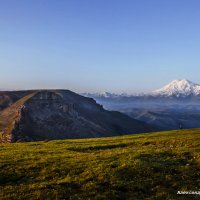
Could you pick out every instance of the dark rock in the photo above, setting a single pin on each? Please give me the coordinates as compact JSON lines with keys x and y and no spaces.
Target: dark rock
{"x":61,"y":114}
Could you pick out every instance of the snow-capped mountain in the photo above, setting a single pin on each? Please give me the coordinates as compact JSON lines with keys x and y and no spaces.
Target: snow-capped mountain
{"x":175,"y":105}
{"x":176,"y":88}
{"x":101,"y":95}
{"x":179,"y":88}
{"x":110,"y":95}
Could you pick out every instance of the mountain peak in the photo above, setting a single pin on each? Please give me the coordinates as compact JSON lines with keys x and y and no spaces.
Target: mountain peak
{"x":181,"y":87}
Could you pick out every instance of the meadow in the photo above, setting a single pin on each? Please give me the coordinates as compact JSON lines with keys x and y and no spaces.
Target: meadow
{"x":139,"y":166}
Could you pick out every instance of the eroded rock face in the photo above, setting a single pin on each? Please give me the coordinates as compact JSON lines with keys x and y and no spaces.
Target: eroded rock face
{"x":45,"y":115}
{"x":10,"y":97}
{"x":62,"y":114}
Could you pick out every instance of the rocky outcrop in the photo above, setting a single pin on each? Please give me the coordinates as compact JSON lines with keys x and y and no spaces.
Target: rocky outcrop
{"x":61,"y":114}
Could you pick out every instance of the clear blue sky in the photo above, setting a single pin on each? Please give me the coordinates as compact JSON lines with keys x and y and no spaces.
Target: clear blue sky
{"x":98,"y":45}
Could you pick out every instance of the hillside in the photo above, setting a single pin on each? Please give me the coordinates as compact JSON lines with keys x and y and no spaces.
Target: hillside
{"x":7,"y":98}
{"x":168,"y":119}
{"x":60,"y":114}
{"x":142,"y":166}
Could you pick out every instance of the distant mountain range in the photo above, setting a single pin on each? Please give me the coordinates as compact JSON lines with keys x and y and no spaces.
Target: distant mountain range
{"x":174,"y":106}
{"x":176,"y":88}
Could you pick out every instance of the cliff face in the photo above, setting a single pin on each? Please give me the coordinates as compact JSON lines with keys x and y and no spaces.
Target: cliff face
{"x":10,"y":97}
{"x":62,"y":114}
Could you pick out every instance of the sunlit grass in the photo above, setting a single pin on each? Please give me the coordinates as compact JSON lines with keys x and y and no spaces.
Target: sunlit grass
{"x":142,"y":166}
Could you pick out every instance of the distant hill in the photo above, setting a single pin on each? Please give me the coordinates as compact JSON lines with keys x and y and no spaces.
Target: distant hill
{"x":139,"y":166}
{"x":168,"y":118}
{"x":59,"y":114}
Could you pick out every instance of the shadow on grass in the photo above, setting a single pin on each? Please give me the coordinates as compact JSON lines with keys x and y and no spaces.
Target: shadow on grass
{"x":97,"y":148}
{"x":159,"y":174}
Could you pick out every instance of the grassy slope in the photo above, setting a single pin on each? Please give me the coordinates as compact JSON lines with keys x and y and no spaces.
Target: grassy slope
{"x":143,"y":166}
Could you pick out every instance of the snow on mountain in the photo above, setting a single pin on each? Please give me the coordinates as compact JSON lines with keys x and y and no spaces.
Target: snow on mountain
{"x":100,"y":95}
{"x":111,"y":95}
{"x":179,"y":88}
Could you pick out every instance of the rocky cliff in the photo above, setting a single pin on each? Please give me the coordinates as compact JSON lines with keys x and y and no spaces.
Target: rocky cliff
{"x":61,"y":114}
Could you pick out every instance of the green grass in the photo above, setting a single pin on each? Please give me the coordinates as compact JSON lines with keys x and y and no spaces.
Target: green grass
{"x":142,"y":166}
